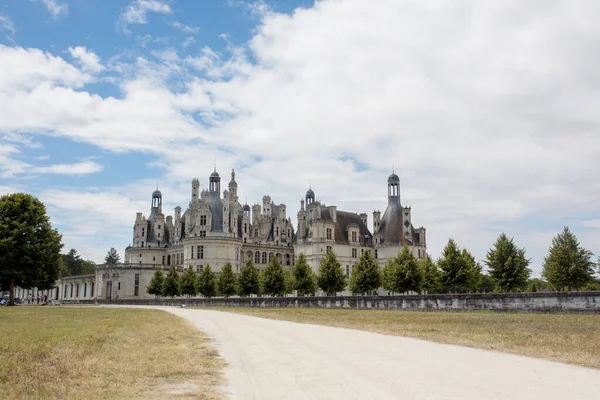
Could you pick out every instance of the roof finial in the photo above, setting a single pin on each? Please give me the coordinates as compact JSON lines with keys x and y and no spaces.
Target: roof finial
{"x":393,"y":169}
{"x":215,"y":170}
{"x":309,"y":185}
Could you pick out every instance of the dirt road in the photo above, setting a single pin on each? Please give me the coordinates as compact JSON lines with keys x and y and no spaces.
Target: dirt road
{"x":284,"y":360}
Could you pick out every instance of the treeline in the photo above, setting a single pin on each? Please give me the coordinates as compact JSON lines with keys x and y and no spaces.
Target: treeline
{"x":567,"y":266}
{"x":73,"y":264}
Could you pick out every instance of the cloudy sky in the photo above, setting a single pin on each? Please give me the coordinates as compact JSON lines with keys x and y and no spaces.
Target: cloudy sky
{"x":487,"y":110}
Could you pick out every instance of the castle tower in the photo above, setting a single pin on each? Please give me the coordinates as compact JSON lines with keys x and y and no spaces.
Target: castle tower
{"x":393,"y":189}
{"x":214,"y":182}
{"x":310,"y":196}
{"x":195,"y":190}
{"x":233,"y":186}
{"x":156,"y":202}
{"x":376,"y":221}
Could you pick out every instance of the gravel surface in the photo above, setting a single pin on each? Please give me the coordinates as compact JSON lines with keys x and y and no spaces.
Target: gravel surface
{"x":269,"y":359}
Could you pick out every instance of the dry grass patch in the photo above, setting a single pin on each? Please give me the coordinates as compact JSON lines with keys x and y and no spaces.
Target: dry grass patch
{"x":573,"y":339}
{"x":77,"y":353}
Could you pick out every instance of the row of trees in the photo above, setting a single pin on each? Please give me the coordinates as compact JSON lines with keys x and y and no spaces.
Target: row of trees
{"x":567,"y":266}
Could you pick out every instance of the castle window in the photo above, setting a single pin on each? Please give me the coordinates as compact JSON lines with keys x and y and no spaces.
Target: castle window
{"x":354,"y":236}
{"x":257,"y":257}
{"x":353,"y":253}
{"x":200,"y":252}
{"x":419,"y":251}
{"x":256,"y":233}
{"x":192,"y":253}
{"x":375,"y":253}
{"x":140,"y":255}
{"x":245,"y":228}
{"x":136,"y":285}
{"x":153,"y":258}
{"x":118,"y":285}
{"x":142,"y":244}
{"x":203,"y":220}
{"x":158,"y":234}
{"x":328,"y":233}
{"x":163,"y":260}
{"x":347,"y":271}
{"x":202,"y":234}
{"x":328,"y":249}
{"x":159,"y":227}
{"x":277,"y":231}
{"x":264,"y":258}
{"x":270,"y":256}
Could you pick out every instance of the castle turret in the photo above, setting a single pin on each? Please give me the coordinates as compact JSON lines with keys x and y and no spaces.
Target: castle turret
{"x":376,"y":221}
{"x":195,"y":190}
{"x":233,"y":186}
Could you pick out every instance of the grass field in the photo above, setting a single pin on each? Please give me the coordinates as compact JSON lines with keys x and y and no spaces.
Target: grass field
{"x":573,"y":339}
{"x":96,"y":353}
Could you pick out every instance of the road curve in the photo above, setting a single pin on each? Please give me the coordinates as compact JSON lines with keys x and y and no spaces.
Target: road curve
{"x":271,"y":359}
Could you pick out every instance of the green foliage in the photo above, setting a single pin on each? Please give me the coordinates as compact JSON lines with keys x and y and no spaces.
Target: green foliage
{"x":170,"y":287}
{"x":365,"y":276}
{"x":112,"y":257}
{"x":432,"y":278}
{"x":507,"y":265}
{"x":29,"y":247}
{"x":272,"y":278}
{"x":331,"y":277}
{"x":289,"y":281}
{"x":459,"y":270}
{"x":188,"y":284}
{"x":207,"y":282}
{"x":73,"y":264}
{"x":537,"y":285}
{"x":248,"y":281}
{"x":305,"y":281}
{"x":568,"y":265}
{"x":227,"y":281}
{"x":155,"y":286}
{"x":402,"y":273}
{"x":487,"y":284}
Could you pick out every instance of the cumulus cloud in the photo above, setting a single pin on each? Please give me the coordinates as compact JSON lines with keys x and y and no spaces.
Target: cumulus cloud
{"x":56,"y":9}
{"x":137,"y":11}
{"x":88,"y":59}
{"x":486,"y":109}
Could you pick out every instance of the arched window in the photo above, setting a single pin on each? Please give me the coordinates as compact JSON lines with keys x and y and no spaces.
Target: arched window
{"x":264,"y":258}
{"x":271,"y":256}
{"x":257,"y":257}
{"x":287,"y":259}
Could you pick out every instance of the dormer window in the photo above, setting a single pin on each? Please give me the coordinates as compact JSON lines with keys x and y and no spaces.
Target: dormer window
{"x":203,"y":220}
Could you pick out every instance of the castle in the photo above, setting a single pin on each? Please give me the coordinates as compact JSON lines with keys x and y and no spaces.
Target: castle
{"x":216,"y":229}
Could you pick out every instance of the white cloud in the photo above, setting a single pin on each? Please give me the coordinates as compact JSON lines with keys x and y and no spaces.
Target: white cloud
{"x":592,"y":223}
{"x":487,"y":110}
{"x":80,"y":168}
{"x":186,"y":28}
{"x":56,"y":9}
{"x":137,"y":11}
{"x":42,"y":158}
{"x":7,"y":24}
{"x":88,"y":59}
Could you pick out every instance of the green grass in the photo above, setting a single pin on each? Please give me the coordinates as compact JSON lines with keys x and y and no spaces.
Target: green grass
{"x":99,"y":353}
{"x":573,"y":339}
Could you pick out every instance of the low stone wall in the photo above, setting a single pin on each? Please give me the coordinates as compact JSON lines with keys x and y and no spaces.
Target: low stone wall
{"x":558,"y":302}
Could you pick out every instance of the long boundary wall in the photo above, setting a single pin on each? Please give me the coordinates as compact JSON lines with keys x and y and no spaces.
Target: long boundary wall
{"x":552,"y":302}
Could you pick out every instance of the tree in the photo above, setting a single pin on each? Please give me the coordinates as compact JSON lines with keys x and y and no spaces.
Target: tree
{"x":227,"y":281}
{"x":170,"y":287}
{"x":402,"y":273}
{"x":29,"y":247}
{"x":567,"y":265}
{"x":248,"y":281}
{"x":207,"y":282}
{"x":289,"y":280}
{"x":331,"y":277}
{"x":188,"y":284}
{"x":459,"y":271}
{"x":365,"y":276}
{"x":72,"y":263}
{"x":487,"y":284}
{"x":507,"y":265}
{"x":431,"y":275}
{"x":537,"y":285}
{"x":305,"y":281}
{"x":112,"y":257}
{"x":155,"y":286}
{"x":273,"y":278}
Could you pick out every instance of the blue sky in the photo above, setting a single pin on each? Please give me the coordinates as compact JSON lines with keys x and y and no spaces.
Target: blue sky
{"x":487,"y":111}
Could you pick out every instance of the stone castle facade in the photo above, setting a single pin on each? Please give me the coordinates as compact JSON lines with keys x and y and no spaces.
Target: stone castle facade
{"x":216,"y":229}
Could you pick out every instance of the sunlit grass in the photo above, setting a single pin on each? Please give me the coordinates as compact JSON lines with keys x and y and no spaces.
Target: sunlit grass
{"x":77,"y":353}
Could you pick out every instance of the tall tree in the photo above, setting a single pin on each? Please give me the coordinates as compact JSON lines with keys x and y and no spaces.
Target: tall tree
{"x":29,"y":247}
{"x":473,"y":270}
{"x":289,"y":281}
{"x":112,"y":257}
{"x":170,"y":287}
{"x":402,"y":273}
{"x":567,"y":265}
{"x":248,"y":281}
{"x":72,"y":263}
{"x":227,"y":281}
{"x":432,"y":279}
{"x":365,"y":276}
{"x":89,"y":267}
{"x":305,"y":281}
{"x":273,"y":278}
{"x":331,"y":278}
{"x":507,"y":265}
{"x":155,"y":286}
{"x":207,"y":282}
{"x":188,"y":284}
{"x":457,"y":268}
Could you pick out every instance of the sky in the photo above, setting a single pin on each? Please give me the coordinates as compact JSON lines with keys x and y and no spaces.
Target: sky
{"x":487,"y":110}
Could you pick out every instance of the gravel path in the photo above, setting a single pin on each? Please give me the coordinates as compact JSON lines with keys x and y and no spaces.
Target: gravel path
{"x":271,"y":359}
